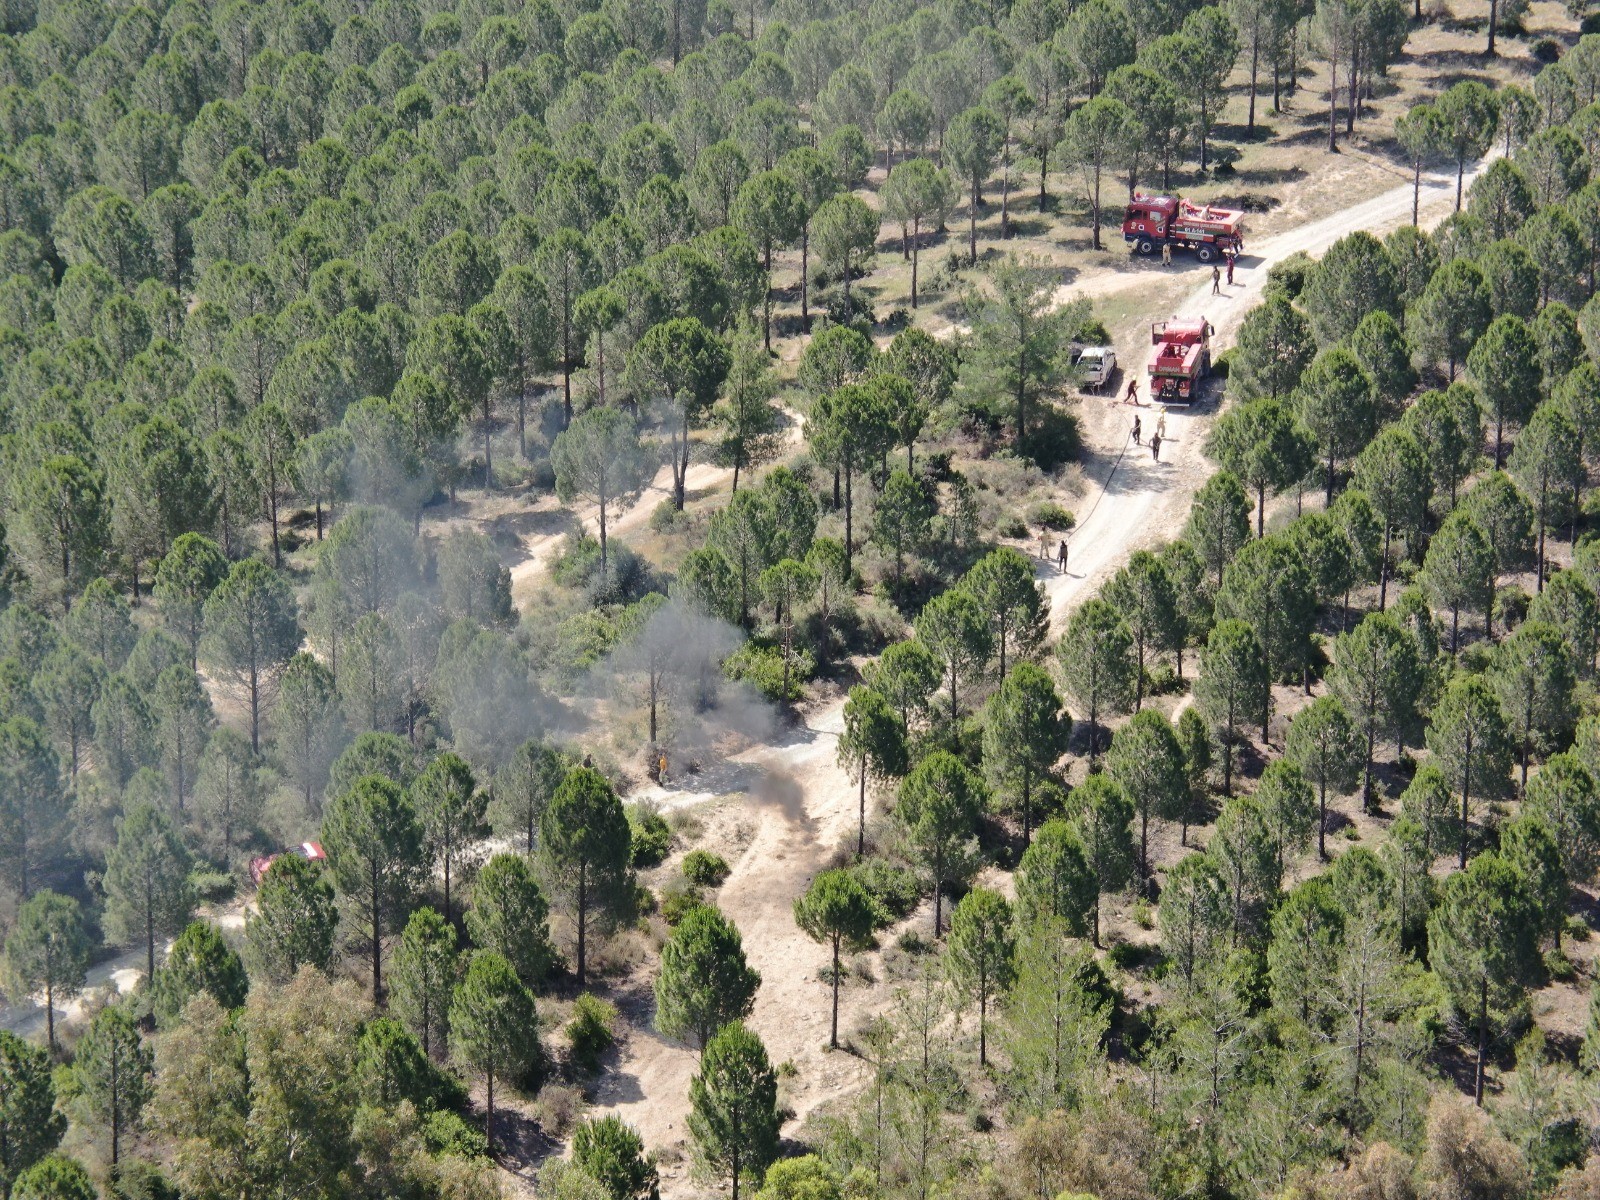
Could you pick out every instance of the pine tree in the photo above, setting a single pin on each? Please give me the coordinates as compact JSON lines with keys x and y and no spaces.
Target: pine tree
{"x":423,"y":976}
{"x":294,"y":922}
{"x":837,"y":909}
{"x":981,"y":952}
{"x":47,"y":950}
{"x":1326,"y":745}
{"x":1102,"y":815}
{"x":1194,"y":913}
{"x":704,"y":982}
{"x":1147,"y":760}
{"x":1025,"y":733}
{"x":584,"y":850}
{"x":938,"y":809}
{"x":1232,"y":687}
{"x":1482,"y":938}
{"x":148,"y":894}
{"x":1056,"y":1017}
{"x":374,"y":845}
{"x":451,"y":810}
{"x":1469,"y":740}
{"x":30,"y":1126}
{"x":494,"y":1027}
{"x":733,"y":1107}
{"x":510,"y":916}
{"x":1376,"y":673}
{"x":113,"y":1069}
{"x":1097,"y":660}
{"x":871,"y":746}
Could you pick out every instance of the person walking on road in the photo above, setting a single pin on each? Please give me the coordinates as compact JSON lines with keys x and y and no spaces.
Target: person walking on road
{"x":1161,"y":424}
{"x":1136,"y":429}
{"x":1155,"y":447}
{"x":1061,"y":556}
{"x":1216,"y":280}
{"x":1132,"y":394}
{"x":1166,"y":254}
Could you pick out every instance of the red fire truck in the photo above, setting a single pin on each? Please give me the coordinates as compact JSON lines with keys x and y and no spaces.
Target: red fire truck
{"x":1204,"y":228}
{"x":1182,"y":359}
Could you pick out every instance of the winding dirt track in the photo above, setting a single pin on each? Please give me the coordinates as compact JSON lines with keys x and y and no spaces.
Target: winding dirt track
{"x":804,"y":805}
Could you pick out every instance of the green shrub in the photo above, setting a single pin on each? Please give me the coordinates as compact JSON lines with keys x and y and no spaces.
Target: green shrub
{"x":1510,"y":607}
{"x":704,"y":869}
{"x":761,"y":666}
{"x":652,"y":836}
{"x":912,"y":942}
{"x":1289,"y":275}
{"x":677,"y":903}
{"x":446,"y":1132}
{"x":212,"y":885}
{"x":1012,"y":527}
{"x":591,"y":1031}
{"x":666,"y":517}
{"x":1558,"y":966}
{"x":894,"y":888}
{"x":577,"y":566}
{"x":1054,"y":437}
{"x":1092,"y":332}
{"x":1047,"y":514}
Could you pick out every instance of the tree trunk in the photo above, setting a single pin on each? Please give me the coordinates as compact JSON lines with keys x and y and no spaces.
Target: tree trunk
{"x":1333,"y":102}
{"x":1383,"y":570}
{"x":583,"y":904}
{"x":972,"y":222}
{"x":1255,"y":65}
{"x":1483,"y":1002}
{"x":377,"y":935}
{"x":488,"y":1118}
{"x":1322,"y":820}
{"x":805,"y":277}
{"x":861,"y":829}
{"x":916,"y":246}
{"x":833,"y":1034}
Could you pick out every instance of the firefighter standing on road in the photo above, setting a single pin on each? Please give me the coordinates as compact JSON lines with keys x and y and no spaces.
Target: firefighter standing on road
{"x":1136,"y":429}
{"x":1061,"y":556}
{"x":1166,"y":254}
{"x":1231,"y":259}
{"x":1161,"y":424}
{"x":1155,"y":447}
{"x":1216,"y":280}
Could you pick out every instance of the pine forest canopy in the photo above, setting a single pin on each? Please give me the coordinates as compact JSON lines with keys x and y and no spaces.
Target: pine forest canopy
{"x":311,"y":313}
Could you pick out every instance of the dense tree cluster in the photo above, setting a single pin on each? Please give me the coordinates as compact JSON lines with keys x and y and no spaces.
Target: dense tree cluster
{"x":279,"y":280}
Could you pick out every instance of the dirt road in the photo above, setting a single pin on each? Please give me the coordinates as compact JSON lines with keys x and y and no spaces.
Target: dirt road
{"x":804,"y":808}
{"x":1137,"y":502}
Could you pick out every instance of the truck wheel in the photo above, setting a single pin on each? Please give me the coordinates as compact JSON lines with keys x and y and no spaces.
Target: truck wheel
{"x":1205,"y":253}
{"x":1146,"y":246}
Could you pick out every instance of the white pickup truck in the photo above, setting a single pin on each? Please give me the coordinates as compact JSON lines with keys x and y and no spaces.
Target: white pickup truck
{"x":1096,"y":365}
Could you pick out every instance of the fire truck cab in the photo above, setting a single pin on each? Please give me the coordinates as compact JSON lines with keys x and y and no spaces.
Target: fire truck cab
{"x":1181,"y":360}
